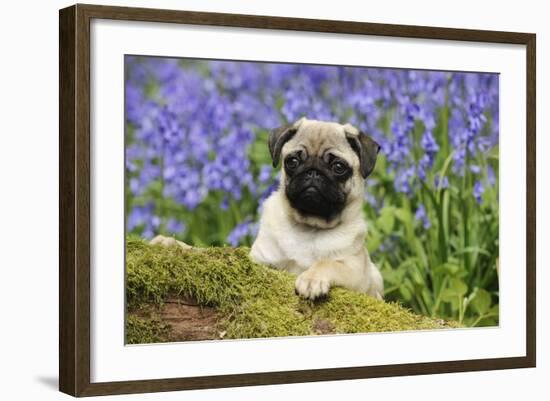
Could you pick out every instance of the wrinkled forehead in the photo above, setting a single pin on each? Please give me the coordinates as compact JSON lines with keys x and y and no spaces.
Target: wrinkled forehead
{"x":316,"y":138}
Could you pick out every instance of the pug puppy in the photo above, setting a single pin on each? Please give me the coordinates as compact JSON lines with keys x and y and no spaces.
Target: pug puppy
{"x":313,"y":225}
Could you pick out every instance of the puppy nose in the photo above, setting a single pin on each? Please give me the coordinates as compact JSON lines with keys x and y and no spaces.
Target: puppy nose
{"x":312,"y":174}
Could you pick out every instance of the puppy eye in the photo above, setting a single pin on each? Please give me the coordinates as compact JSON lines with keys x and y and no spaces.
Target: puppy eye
{"x":339,"y":168}
{"x":292,"y":163}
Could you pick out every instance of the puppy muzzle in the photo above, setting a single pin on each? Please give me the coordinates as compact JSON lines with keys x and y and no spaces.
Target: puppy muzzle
{"x":313,"y":180}
{"x":311,"y":194}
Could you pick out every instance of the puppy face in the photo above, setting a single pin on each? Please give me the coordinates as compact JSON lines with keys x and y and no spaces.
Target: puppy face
{"x":324,"y":167}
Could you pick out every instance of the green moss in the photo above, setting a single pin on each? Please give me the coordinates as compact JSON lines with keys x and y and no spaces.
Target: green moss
{"x":253,"y":300}
{"x":351,"y":313}
{"x":141,"y":330}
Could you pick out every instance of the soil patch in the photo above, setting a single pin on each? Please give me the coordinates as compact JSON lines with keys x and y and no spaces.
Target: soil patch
{"x":183,"y":320}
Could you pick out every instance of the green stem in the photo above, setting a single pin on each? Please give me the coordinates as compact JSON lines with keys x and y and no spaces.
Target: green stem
{"x":465,"y":213}
{"x":438,"y":299}
{"x":481,"y":317}
{"x":236,"y":212}
{"x":460,"y":309}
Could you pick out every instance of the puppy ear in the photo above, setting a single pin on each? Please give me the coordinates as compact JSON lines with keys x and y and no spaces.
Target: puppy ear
{"x":365,"y":147}
{"x":279,"y":136}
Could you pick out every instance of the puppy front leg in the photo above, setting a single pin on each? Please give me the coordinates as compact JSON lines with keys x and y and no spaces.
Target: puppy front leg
{"x":169,"y":242}
{"x":356,"y":273}
{"x":316,"y":281}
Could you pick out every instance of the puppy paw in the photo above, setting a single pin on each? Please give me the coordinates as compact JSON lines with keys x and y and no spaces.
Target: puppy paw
{"x":169,"y":242}
{"x":312,"y":284}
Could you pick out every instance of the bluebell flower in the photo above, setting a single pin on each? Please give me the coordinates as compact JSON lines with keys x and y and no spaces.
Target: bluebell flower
{"x":475,"y":169}
{"x":438,"y":183}
{"x":174,"y":226}
{"x":422,"y":217}
{"x":423,"y":165}
{"x":428,"y":143}
{"x":191,"y":124}
{"x":224,"y":204}
{"x":372,"y":200}
{"x":478,"y":191}
{"x":268,"y":191}
{"x":139,"y":215}
{"x":265,"y":174}
{"x":403,"y":180}
{"x":246,"y":228}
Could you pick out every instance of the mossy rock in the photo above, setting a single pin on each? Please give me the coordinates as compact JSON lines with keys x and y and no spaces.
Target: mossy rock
{"x":248,"y":300}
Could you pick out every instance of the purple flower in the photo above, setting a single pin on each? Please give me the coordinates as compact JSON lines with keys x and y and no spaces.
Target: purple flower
{"x":438,"y":183}
{"x":138,"y":216}
{"x":475,"y":169}
{"x":422,"y":217}
{"x":428,"y":143}
{"x":224,"y":204}
{"x":174,"y":226}
{"x":191,"y":126}
{"x":143,"y":216}
{"x":242,"y":230}
{"x":403,"y":180}
{"x":478,"y":191}
{"x":265,"y":173}
{"x":269,"y":190}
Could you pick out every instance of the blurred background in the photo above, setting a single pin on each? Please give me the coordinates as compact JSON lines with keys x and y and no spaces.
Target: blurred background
{"x":198,"y":166}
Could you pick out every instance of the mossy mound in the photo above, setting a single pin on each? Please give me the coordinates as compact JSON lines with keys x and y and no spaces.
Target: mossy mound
{"x":250,"y":300}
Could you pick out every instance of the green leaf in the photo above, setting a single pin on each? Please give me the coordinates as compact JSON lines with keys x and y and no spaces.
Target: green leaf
{"x":472,"y":249}
{"x":391,"y":277}
{"x":443,"y":172}
{"x":427,"y":297}
{"x":374,"y":241}
{"x":407,"y":263}
{"x":458,"y":286}
{"x":420,"y":252}
{"x":416,"y":276}
{"x":403,"y":215}
{"x":406,"y":293}
{"x":386,"y":220}
{"x":493,"y":153}
{"x":448,"y":268}
{"x":450,"y":296}
{"x":481,"y":302}
{"x":445,"y":212}
{"x":490,"y":321}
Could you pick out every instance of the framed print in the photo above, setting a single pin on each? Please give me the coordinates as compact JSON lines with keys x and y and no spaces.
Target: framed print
{"x":250,"y":200}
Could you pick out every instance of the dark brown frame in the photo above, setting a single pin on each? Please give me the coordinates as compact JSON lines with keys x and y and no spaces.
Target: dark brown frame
{"x":74,"y":199}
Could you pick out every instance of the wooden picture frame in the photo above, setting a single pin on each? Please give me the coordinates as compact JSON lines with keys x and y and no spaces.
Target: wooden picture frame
{"x":74,"y":199}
